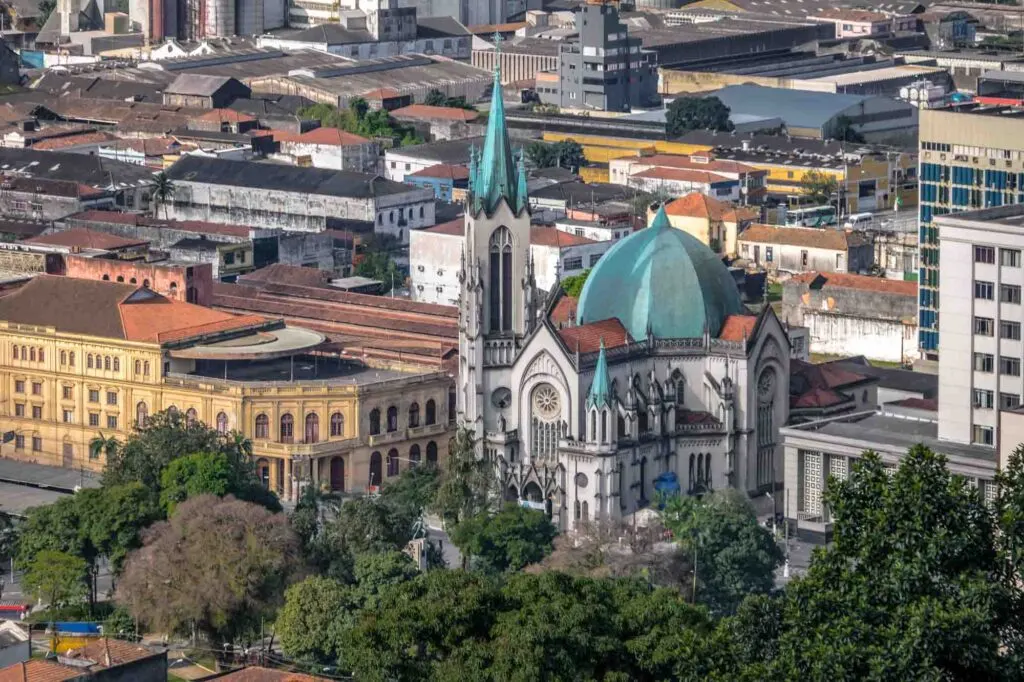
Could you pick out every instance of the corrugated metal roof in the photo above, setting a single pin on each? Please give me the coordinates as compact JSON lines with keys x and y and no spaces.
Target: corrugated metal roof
{"x":797,"y":108}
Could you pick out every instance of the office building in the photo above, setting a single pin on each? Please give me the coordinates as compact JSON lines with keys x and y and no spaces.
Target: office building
{"x":971,"y":157}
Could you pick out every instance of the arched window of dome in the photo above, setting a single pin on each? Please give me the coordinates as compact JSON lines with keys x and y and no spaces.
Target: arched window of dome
{"x":500,"y":282}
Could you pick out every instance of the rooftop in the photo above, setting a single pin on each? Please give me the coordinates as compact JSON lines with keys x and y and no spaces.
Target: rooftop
{"x":282,"y":178}
{"x":87,"y":169}
{"x":798,"y":108}
{"x":451,"y":152}
{"x":84,"y":238}
{"x":442,"y":170}
{"x":682,"y":175}
{"x":587,"y":338}
{"x":859,"y":15}
{"x":198,"y":226}
{"x":892,"y":378}
{"x":196,"y":84}
{"x":1011,"y":216}
{"x":39,"y":671}
{"x":429,"y":113}
{"x":698,"y":205}
{"x":821,"y":280}
{"x":820,"y":238}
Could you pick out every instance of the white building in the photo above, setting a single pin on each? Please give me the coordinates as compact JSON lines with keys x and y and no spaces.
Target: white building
{"x":656,"y":379}
{"x":980,"y":307}
{"x":435,"y":258}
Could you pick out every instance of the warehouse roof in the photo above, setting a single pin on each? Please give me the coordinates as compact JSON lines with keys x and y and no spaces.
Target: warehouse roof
{"x":197,"y":84}
{"x":254,"y":175}
{"x":798,"y":108}
{"x":92,"y":170}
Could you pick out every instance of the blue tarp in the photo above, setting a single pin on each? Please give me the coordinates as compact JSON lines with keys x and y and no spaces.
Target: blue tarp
{"x":667,"y":484}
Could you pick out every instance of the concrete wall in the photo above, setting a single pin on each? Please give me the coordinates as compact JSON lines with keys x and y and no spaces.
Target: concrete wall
{"x":434,"y":262}
{"x":875,"y":339}
{"x":197,"y":279}
{"x":15,"y":653}
{"x":1011,"y":434}
{"x":791,"y":258}
{"x":316,"y":250}
{"x":361,"y":158}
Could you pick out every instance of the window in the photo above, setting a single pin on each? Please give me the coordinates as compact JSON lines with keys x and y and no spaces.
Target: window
{"x":1009,"y":258}
{"x":138,"y":366}
{"x":37,"y":444}
{"x":37,"y":388}
{"x":68,"y":416}
{"x":574,"y":263}
{"x":106,"y":363}
{"x":117,"y":364}
{"x":287,"y":428}
{"x":19,"y":386}
{"x":19,"y":442}
{"x":37,"y":412}
{"x":983,"y":290}
{"x":312,"y":428}
{"x":229,"y":258}
{"x":94,"y":419}
{"x":19,"y":409}
{"x":88,"y":360}
{"x":32,"y":354}
{"x":1009,"y":366}
{"x":16,"y":354}
{"x":94,"y":395}
{"x":981,"y":435}
{"x":112,"y":421}
{"x":71,"y":358}
{"x":63,"y":357}
{"x":1009,"y":401}
{"x":414,"y":415}
{"x":111,"y":397}
{"x":337,"y":424}
{"x":1009,"y":293}
{"x":141,"y":414}
{"x":42,"y":355}
{"x":431,"y":416}
{"x":393,"y":463}
{"x":145,"y":368}
{"x":803,"y":259}
{"x":769,"y":254}
{"x":500,"y":280}
{"x":594,"y":258}
{"x":984,"y":254}
{"x":67,"y":392}
{"x":392,"y":419}
{"x":262,"y":426}
{"x":68,"y":451}
{"x":983,"y":362}
{"x":374,"y":421}
{"x":191,"y":416}
{"x":1009,"y":330}
{"x":222,"y":422}
{"x":984,"y":326}
{"x":982,"y":398}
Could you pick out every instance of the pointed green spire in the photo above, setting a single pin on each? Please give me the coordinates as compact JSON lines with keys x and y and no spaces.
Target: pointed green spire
{"x":660,"y":219}
{"x":521,"y":196}
{"x":600,"y":394}
{"x":497,"y":177}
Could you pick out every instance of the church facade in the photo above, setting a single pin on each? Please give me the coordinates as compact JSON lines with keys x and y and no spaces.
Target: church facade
{"x":657,"y":378}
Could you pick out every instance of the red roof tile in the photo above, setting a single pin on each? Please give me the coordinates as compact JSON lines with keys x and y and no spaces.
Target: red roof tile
{"x":74,"y":140}
{"x":862,"y":282}
{"x":587,"y":337}
{"x":681,"y":175}
{"x":381,"y":93}
{"x":288,"y":274}
{"x":551,"y":236}
{"x":738,"y":327}
{"x":443,"y":170}
{"x":456,"y":228}
{"x":426,"y":112}
{"x":818,"y":397}
{"x":226,"y":116}
{"x":697,"y":205}
{"x":564,"y":311}
{"x":819,"y":238}
{"x":40,"y":671}
{"x":110,"y":652}
{"x":80,"y":237}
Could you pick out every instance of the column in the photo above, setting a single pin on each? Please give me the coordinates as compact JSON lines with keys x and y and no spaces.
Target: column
{"x":314,"y":465}
{"x":272,"y":463}
{"x":288,"y":482}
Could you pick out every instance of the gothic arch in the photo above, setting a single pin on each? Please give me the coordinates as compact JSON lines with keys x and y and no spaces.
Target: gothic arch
{"x":500,"y":279}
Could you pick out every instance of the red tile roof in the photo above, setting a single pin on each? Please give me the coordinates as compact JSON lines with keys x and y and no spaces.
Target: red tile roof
{"x":226,"y":116}
{"x":697,"y":205}
{"x":288,"y":274}
{"x":41,"y":671}
{"x":738,"y":327}
{"x":821,"y":280}
{"x":818,"y":397}
{"x":587,"y":337}
{"x":443,"y":170}
{"x":426,"y":112}
{"x":110,"y":652}
{"x":551,"y":236}
{"x":80,"y":237}
{"x":56,"y":143}
{"x":564,"y":311}
{"x":681,"y":175}
{"x":381,"y":93}
{"x":456,"y":228}
{"x":329,"y":136}
{"x":818,"y":238}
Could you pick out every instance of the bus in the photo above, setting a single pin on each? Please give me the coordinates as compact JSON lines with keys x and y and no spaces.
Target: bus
{"x":811,"y":216}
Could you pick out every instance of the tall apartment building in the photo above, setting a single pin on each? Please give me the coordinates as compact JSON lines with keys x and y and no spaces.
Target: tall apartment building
{"x":604,"y":69}
{"x":970,"y":157}
{"x":980,"y":295}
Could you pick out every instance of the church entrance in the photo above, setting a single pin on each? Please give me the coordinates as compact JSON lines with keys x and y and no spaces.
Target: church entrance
{"x":533,"y":493}
{"x":512,"y":494}
{"x":337,"y":474}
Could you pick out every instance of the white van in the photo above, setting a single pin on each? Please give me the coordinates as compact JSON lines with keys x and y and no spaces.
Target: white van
{"x":857,"y":219}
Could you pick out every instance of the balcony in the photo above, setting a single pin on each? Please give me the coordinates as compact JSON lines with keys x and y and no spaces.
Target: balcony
{"x":324,"y":447}
{"x":427,"y":430}
{"x":385,"y":438}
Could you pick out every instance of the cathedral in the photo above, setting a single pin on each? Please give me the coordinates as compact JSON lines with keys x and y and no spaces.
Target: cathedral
{"x":656,"y":379}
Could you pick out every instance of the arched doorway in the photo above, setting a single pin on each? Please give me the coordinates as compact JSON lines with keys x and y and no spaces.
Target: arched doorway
{"x":263,"y":472}
{"x":375,"y":464}
{"x":338,"y":474}
{"x":512,"y":494}
{"x":533,"y":493}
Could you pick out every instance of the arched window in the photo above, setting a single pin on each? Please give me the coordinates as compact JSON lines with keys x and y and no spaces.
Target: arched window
{"x":421,"y":211}
{"x":451,"y":405}
{"x":32,"y":354}
{"x":145,"y":368}
{"x":191,"y":416}
{"x":374,"y":421}
{"x":138,"y":366}
{"x":392,"y":419}
{"x":432,"y":454}
{"x":312,"y":428}
{"x":604,"y":426}
{"x":375,"y":469}
{"x":700,"y":472}
{"x":71,"y":358}
{"x":106,"y":362}
{"x":172,"y":410}
{"x":145,"y":283}
{"x":287,"y":428}
{"x":63,"y":357}
{"x":691,"y":481}
{"x":414,"y":456}
{"x":16,"y":355}
{"x":391,"y":216}
{"x":337,"y":424}
{"x":222,"y":422}
{"x":593,"y":424}
{"x":106,"y":278}
{"x":707,"y":471}
{"x":392,"y":462}
{"x":500,"y":294}
{"x":262,"y":426}
{"x":131,"y":281}
{"x":585,"y":512}
{"x":431,"y":415}
{"x":117,"y":364}
{"x":42,"y":355}
{"x":88,"y":360}
{"x":141,"y":414}
{"x":414,"y":415}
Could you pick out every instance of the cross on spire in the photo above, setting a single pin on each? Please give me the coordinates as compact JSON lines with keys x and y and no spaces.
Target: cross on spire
{"x":498,"y":40}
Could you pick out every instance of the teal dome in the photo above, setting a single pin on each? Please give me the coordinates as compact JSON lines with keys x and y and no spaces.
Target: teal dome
{"x":663,"y":279}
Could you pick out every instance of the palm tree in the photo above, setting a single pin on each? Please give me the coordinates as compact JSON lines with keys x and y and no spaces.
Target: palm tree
{"x":163,"y":190}
{"x":101,"y":445}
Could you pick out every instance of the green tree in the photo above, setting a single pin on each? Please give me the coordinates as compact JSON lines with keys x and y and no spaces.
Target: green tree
{"x":163,"y":191}
{"x":821,"y":188}
{"x":565,"y":154}
{"x":573,"y":284}
{"x":316,"y":612}
{"x":360,"y":120}
{"x":467,"y":485}
{"x":733,"y":556}
{"x":696,"y":113}
{"x":104,"y":447}
{"x":58,"y":527}
{"x":120,"y":625}
{"x":216,"y":567}
{"x":910,"y":588}
{"x":506,"y":541}
{"x":376,"y":572}
{"x":112,"y":519}
{"x":55,"y":578}
{"x":436,"y":98}
{"x":412,"y":492}
{"x":8,"y":537}
{"x":204,"y":473}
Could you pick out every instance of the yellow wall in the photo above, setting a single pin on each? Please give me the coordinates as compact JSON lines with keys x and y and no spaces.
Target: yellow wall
{"x":594,"y":174}
{"x":105,"y":401}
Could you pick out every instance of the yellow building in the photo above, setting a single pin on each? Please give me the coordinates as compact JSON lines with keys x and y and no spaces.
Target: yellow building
{"x":715,"y":223}
{"x":80,"y":358}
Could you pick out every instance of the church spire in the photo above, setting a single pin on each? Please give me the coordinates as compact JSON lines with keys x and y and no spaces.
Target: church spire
{"x":497,"y":176}
{"x":600,"y":391}
{"x":660,"y":219}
